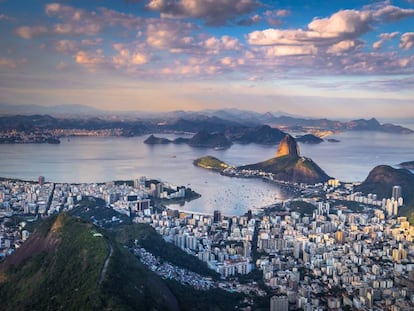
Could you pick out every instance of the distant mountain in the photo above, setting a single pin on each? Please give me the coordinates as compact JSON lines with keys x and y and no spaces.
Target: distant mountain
{"x":205,"y":139}
{"x":153,"y":140}
{"x":288,"y":165}
{"x":244,"y":126}
{"x":408,"y":165}
{"x":263,"y":134}
{"x":309,"y":139}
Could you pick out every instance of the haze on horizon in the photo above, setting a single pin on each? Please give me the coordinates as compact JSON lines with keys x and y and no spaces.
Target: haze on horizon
{"x":319,"y":59}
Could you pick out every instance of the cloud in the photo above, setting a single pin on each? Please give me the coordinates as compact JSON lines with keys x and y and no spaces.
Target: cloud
{"x":128,"y":57}
{"x":345,"y":23}
{"x":175,"y":37}
{"x":10,"y":63}
{"x":79,"y":22}
{"x":250,"y":20}
{"x":345,"y":46}
{"x":66,"y":46}
{"x":27,"y":32}
{"x":407,"y":40}
{"x":392,"y":13}
{"x":383,"y":38}
{"x":90,"y":60}
{"x":6,"y":18}
{"x":213,"y":12}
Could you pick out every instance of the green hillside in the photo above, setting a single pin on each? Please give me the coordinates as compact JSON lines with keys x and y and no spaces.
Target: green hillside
{"x":211,"y":163}
{"x":70,"y":264}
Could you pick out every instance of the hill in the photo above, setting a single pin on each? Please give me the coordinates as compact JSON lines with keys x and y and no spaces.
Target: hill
{"x":70,"y":264}
{"x":205,"y":139}
{"x":288,"y":165}
{"x":154,"y":140}
{"x":211,"y":163}
{"x":264,"y":135}
{"x":382,"y":178}
{"x":309,"y":139}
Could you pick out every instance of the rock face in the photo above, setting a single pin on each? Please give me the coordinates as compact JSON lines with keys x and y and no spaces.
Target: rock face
{"x":289,"y":166}
{"x":288,"y":147}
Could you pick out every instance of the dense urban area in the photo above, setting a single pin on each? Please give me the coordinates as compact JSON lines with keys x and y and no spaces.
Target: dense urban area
{"x":329,"y":248}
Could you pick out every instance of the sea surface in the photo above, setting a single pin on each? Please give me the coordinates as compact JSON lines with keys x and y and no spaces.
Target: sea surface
{"x":100,"y":159}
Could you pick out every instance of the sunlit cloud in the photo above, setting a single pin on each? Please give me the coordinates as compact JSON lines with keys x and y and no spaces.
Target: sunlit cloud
{"x":383,"y":38}
{"x":407,"y":41}
{"x":213,"y":12}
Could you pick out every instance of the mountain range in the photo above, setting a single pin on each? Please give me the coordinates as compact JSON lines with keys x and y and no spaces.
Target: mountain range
{"x":194,"y":121}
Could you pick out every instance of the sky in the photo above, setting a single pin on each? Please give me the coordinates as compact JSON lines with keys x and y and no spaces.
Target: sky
{"x":313,"y":58}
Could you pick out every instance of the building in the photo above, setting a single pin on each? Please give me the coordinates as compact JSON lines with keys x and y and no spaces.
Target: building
{"x":217,"y":216}
{"x":279,"y":303}
{"x":41,"y":180}
{"x":396,"y":192}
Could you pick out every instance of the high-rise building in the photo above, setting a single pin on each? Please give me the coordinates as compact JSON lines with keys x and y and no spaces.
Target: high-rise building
{"x":279,"y":303}
{"x":41,"y":180}
{"x":217,"y":216}
{"x":340,"y":237}
{"x":396,"y":192}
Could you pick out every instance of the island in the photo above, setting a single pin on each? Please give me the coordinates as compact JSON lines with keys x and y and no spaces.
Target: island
{"x":287,"y":166}
{"x":211,"y":163}
{"x":202,"y":139}
{"x":309,"y":139}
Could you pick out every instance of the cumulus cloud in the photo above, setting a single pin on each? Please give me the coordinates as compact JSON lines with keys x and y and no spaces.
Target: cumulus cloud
{"x":79,"y":22}
{"x":128,"y":57}
{"x":174,"y":37}
{"x":392,"y":13}
{"x":383,"y":38}
{"x":214,"y":45}
{"x":27,"y":32}
{"x":90,"y":60}
{"x":213,"y":12}
{"x":345,"y":46}
{"x":407,"y":40}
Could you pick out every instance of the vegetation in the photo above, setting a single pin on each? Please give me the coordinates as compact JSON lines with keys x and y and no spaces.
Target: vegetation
{"x":154,"y":243}
{"x":67,"y":272}
{"x":212,"y":300}
{"x":48,"y":280}
{"x":351,"y":205}
{"x":211,"y":163}
{"x":302,"y":207}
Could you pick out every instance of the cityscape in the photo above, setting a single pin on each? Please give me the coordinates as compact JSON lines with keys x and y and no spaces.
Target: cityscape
{"x":214,"y":155}
{"x":333,"y":256}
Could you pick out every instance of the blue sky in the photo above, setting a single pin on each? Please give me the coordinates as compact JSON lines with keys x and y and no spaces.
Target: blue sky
{"x":315,"y":58}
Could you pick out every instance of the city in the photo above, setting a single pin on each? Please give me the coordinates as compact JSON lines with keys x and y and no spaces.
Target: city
{"x":329,"y":257}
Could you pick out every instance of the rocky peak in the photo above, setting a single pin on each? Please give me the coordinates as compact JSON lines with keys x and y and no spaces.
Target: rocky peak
{"x":288,"y":147}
